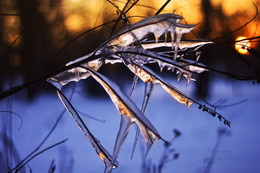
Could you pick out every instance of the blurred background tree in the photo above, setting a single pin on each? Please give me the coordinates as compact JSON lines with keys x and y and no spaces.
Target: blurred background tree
{"x":32,"y":33}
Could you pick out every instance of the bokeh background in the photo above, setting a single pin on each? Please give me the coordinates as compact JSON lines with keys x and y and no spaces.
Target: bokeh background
{"x":33,"y":34}
{"x":37,"y":37}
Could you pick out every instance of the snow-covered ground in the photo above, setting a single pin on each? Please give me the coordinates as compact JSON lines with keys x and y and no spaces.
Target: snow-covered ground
{"x":238,"y":152}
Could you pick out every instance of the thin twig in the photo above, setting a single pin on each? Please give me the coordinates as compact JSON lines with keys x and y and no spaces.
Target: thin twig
{"x":122,"y":15}
{"x":16,"y":170}
{"x":162,"y":7}
{"x":256,"y":13}
{"x":46,"y":137}
{"x":11,"y":112}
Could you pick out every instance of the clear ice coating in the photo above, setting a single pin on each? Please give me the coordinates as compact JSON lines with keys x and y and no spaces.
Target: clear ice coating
{"x":158,"y":25}
{"x":147,"y":95}
{"x":130,"y":48}
{"x":74,"y":74}
{"x":182,"y":44}
{"x":147,"y":75}
{"x":101,"y":151}
{"x":129,"y":114}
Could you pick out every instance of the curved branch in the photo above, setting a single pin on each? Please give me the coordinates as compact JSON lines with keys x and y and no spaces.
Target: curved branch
{"x":256,"y":13}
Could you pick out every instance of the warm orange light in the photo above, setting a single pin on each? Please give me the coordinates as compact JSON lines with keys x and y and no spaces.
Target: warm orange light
{"x":74,"y":22}
{"x":102,"y":156}
{"x":242,"y":46}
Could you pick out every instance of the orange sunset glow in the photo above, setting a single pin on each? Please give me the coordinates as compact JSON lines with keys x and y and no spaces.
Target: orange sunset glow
{"x":82,"y":14}
{"x":64,"y":19}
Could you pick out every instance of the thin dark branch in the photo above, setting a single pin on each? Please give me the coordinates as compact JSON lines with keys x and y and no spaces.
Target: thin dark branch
{"x":235,"y":76}
{"x":135,"y":3}
{"x":227,"y":105}
{"x":46,"y":137}
{"x":164,"y":5}
{"x":12,"y":44}
{"x":50,"y":147}
{"x":220,"y":133}
{"x":43,"y":78}
{"x":121,"y":16}
{"x":80,"y":35}
{"x":100,"y":150}
{"x":140,"y":5}
{"x":11,"y":112}
{"x":52,"y":167}
{"x":230,"y":33}
{"x":100,"y":12}
{"x":91,"y":117}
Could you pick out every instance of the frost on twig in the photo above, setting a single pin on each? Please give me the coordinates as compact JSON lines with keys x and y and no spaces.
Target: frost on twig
{"x":147,"y":75}
{"x":101,"y":151}
{"x":129,"y":114}
{"x":157,"y":25}
{"x":130,"y":47}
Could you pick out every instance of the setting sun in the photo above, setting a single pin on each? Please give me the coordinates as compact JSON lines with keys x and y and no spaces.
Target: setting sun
{"x":242,"y":46}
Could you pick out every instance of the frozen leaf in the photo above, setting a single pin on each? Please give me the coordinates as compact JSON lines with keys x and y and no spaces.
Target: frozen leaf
{"x":147,"y":75}
{"x":182,"y":44}
{"x":126,"y":108}
{"x":180,"y":30}
{"x":147,"y":95}
{"x":158,"y":25}
{"x":101,"y":151}
{"x":75,"y":74}
{"x":122,"y":133}
{"x":194,"y":66}
{"x":152,"y":57}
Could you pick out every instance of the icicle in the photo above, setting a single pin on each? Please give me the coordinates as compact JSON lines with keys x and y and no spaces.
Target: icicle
{"x":101,"y":151}
{"x":179,"y":76}
{"x":147,"y":95}
{"x":189,"y":77}
{"x":198,"y":56}
{"x":194,"y":66}
{"x":177,"y":95}
{"x":188,"y":80}
{"x":156,"y":38}
{"x":172,"y":38}
{"x":77,"y":73}
{"x":161,"y":65}
{"x":137,"y":135}
{"x":182,"y":44}
{"x":180,"y":30}
{"x":121,"y":135}
{"x":173,"y":68}
{"x":178,"y":39}
{"x":195,"y":69}
{"x":133,"y":85}
{"x":157,"y":24}
{"x":127,"y":107}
